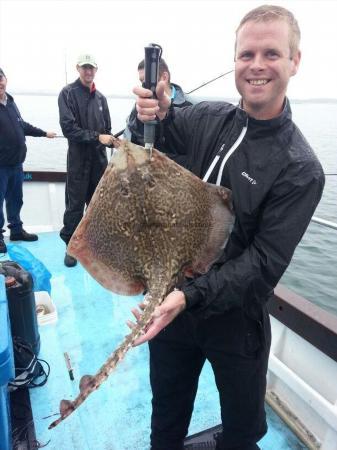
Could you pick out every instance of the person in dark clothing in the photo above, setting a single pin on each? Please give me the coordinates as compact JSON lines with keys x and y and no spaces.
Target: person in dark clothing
{"x":13,"y":149}
{"x":134,"y":130}
{"x":85,"y":122}
{"x":257,"y":151}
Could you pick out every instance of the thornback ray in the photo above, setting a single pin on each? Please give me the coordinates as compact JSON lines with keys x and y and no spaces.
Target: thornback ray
{"x":150,"y":223}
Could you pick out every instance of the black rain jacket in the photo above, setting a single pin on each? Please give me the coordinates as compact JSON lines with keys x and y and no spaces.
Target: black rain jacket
{"x":83,"y":116}
{"x":13,"y":130}
{"x":276,"y":182}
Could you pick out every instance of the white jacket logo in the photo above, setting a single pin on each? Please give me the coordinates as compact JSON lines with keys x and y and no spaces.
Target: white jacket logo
{"x":250,"y":179}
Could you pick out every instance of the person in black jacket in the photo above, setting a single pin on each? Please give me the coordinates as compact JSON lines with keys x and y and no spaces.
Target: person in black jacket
{"x":85,"y":122}
{"x":134,"y":130}
{"x":13,"y":149}
{"x":276,"y":182}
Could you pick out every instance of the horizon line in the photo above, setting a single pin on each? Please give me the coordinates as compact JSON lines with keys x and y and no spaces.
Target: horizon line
{"x":48,"y":93}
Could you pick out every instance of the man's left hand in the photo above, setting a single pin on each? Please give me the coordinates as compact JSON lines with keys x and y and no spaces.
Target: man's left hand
{"x":164,"y":314}
{"x":50,"y":134}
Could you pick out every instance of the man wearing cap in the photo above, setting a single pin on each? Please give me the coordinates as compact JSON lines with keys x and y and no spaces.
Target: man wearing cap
{"x":13,"y":130}
{"x":85,"y":122}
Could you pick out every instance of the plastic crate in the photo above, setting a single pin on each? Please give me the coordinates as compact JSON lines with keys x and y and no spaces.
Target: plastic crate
{"x":6,"y":370}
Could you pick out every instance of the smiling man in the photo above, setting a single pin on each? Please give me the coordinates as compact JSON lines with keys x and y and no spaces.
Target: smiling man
{"x":267,"y":55}
{"x":276,"y":182}
{"x":85,"y":122}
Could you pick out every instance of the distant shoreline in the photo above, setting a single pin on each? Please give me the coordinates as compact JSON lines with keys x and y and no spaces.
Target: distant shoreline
{"x":53,"y":94}
{"x":131,"y":97}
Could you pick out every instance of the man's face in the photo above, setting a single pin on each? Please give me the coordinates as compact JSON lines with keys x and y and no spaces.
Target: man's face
{"x":87,"y":74}
{"x":3,"y":84}
{"x":263,"y":67}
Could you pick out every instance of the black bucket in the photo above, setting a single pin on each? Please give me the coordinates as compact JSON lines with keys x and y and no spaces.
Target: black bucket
{"x":21,"y":303}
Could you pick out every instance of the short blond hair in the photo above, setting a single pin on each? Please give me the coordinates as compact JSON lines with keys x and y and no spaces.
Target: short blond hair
{"x":268,"y":13}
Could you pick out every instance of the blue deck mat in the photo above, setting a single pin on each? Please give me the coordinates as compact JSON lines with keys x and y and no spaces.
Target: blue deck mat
{"x":91,"y":323}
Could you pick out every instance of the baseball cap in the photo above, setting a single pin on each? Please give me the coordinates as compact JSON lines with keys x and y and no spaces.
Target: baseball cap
{"x":86,"y":58}
{"x":2,"y":73}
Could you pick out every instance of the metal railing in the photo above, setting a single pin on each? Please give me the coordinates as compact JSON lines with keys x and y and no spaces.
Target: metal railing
{"x":61,"y":176}
{"x":326,"y":223}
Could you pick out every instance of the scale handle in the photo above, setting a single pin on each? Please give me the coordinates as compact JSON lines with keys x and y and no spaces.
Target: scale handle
{"x":151,"y":68}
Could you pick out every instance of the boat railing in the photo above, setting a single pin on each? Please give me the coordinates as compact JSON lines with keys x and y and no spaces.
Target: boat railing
{"x":53,"y":177}
{"x":324,"y":222}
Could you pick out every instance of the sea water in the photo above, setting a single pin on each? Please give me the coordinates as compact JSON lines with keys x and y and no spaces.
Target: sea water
{"x":312,"y":272}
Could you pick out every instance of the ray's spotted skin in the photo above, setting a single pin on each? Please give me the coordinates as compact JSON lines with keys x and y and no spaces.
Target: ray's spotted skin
{"x":149,"y":222}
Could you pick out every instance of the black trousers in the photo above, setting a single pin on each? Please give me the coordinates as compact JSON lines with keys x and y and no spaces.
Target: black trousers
{"x":82,"y":180}
{"x":237,"y":348}
{"x":11,"y":179}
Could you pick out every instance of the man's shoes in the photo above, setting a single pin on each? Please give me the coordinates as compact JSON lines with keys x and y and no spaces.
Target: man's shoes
{"x":3,"y":247}
{"x":214,"y":442}
{"x":23,"y":236}
{"x":69,"y":261}
{"x":209,"y":445}
{"x":218,"y":439}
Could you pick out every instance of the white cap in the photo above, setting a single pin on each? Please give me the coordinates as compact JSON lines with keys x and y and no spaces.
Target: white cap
{"x":86,"y":59}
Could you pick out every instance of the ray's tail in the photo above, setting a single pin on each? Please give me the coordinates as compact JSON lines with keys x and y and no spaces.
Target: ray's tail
{"x":90,"y":383}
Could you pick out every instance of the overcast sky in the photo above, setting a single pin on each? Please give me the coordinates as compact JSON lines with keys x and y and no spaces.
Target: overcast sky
{"x":39,"y":38}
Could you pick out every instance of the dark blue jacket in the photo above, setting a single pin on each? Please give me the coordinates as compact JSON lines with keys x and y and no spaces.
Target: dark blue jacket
{"x":13,"y":130}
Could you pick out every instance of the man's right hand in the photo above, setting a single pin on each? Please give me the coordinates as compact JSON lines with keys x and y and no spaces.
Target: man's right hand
{"x":106,"y":139}
{"x":164,"y":314}
{"x":149,"y":108}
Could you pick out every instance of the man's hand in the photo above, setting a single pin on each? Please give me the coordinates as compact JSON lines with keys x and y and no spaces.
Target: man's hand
{"x":106,"y":139}
{"x":164,"y":314}
{"x":150,"y":108}
{"x":50,"y":134}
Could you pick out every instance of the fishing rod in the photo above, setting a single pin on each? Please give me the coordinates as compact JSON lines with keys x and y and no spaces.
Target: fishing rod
{"x":119,"y":133}
{"x":187,"y":93}
{"x":60,"y":136}
{"x":210,"y":81}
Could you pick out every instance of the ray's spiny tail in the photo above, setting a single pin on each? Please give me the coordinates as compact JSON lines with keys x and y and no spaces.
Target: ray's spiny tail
{"x":90,"y":383}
